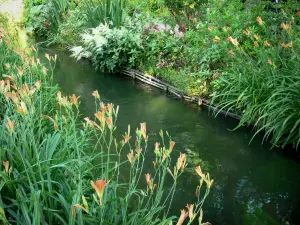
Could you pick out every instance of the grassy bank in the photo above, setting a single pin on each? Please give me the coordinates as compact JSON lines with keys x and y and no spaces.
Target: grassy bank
{"x":241,"y":56}
{"x":57,"y":169}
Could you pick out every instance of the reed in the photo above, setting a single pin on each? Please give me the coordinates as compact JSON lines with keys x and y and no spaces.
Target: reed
{"x":106,"y":11}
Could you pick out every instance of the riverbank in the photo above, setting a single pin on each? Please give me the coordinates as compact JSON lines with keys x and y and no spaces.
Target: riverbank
{"x":240,"y":61}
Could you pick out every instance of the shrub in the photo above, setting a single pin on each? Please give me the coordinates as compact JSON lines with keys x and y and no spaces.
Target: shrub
{"x":110,"y":49}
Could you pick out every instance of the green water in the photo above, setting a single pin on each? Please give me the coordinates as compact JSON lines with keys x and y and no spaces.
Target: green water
{"x":253,"y":184}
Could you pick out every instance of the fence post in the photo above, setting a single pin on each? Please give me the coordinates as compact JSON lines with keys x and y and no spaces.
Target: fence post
{"x":200,"y":102}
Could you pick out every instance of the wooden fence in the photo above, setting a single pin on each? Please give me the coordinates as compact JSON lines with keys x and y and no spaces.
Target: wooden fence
{"x":153,"y":81}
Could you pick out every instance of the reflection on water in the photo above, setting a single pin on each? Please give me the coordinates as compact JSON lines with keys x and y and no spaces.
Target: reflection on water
{"x":253,"y":185}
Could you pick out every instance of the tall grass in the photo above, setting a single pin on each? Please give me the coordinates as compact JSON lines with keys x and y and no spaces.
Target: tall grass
{"x":58,"y":170}
{"x":106,"y":11}
{"x":265,"y":88}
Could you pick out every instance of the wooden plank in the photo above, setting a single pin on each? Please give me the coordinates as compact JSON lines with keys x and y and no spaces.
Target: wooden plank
{"x":153,"y":81}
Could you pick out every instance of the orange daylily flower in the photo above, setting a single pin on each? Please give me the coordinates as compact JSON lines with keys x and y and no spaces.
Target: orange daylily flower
{"x":33,"y":48}
{"x":210,"y":27}
{"x":143,"y":130}
{"x":92,"y":123}
{"x":181,"y":161}
{"x":157,"y":145}
{"x":216,"y":39}
{"x":149,"y":182}
{"x":13,"y":96}
{"x":22,"y":109}
{"x":14,"y":86}
{"x":110,"y":108}
{"x":259,"y":20}
{"x":233,"y":41}
{"x":148,"y":179}
{"x":2,"y":85}
{"x":44,"y":70}
{"x":38,"y":84}
{"x":74,"y":99}
{"x":230,"y":52}
{"x":126,"y":138}
{"x":108,"y":121}
{"x":266,"y":43}
{"x":62,"y":100}
{"x":96,"y":94}
{"x":100,"y":116}
{"x":172,"y":144}
{"x":270,"y":62}
{"x":298,"y":13}
{"x":184,"y":214}
{"x":32,"y":90}
{"x":285,"y":26}
{"x":256,"y":37}
{"x":153,"y":164}
{"x":7,"y":66}
{"x":25,"y":89}
{"x":199,"y":171}
{"x":138,"y":151}
{"x":103,"y":107}
{"x":47,"y":56}
{"x":190,"y":208}
{"x":32,"y":60}
{"x":246,"y":32}
{"x":225,"y":28}
{"x":256,"y":44}
{"x":75,"y":207}
{"x":99,"y":187}
{"x":6,"y":166}
{"x":130,"y":157}
{"x":289,"y":45}
{"x":210,"y":183}
{"x":10,"y":125}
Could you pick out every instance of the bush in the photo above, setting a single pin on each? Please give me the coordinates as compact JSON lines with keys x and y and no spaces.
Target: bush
{"x":110,"y":49}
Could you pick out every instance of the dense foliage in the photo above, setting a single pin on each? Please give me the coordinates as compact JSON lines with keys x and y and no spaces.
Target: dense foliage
{"x":242,"y":55}
{"x":58,"y":170}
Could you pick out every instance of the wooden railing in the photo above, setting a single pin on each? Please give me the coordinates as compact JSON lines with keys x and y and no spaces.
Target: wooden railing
{"x":155,"y":82}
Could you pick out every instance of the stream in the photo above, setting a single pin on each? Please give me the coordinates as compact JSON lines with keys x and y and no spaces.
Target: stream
{"x":253,"y":184}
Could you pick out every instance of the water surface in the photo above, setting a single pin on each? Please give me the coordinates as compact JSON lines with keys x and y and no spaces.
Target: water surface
{"x":253,"y":184}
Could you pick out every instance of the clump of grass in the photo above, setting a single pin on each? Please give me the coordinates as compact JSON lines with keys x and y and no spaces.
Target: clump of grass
{"x":107,"y":11}
{"x":263,"y":84}
{"x":58,"y":170}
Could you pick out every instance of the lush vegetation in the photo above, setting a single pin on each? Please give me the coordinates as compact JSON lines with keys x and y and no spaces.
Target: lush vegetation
{"x":57,"y":169}
{"x":242,"y":55}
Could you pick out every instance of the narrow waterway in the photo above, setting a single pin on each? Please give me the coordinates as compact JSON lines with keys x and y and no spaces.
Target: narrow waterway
{"x":254,"y":185}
